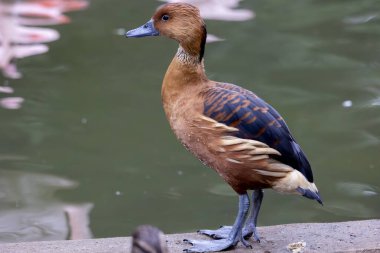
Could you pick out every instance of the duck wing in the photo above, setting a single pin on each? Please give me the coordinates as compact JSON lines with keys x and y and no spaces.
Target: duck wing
{"x":256,"y":120}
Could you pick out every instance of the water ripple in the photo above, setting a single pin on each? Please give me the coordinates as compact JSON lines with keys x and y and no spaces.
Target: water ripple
{"x":357,"y":20}
{"x":355,"y":189}
{"x":222,"y":190}
{"x":30,"y":210}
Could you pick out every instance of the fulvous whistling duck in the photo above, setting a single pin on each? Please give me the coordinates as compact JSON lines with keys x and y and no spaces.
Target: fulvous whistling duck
{"x":148,"y":239}
{"x":228,"y":128}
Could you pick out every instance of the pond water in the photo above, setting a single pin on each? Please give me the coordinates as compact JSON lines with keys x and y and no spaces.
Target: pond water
{"x":89,"y":152}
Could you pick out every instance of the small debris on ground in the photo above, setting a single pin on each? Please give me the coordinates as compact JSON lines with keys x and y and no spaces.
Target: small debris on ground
{"x":296,"y":247}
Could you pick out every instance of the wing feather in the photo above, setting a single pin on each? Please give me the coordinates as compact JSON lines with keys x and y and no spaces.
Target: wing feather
{"x":255,"y":120}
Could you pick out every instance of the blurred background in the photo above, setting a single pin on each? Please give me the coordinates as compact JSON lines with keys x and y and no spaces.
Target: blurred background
{"x":85,"y":148}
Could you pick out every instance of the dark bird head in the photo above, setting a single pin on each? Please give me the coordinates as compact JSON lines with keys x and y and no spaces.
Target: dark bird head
{"x":148,"y":239}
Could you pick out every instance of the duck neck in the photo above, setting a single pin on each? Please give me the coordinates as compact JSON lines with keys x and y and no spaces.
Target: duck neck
{"x":187,"y":59}
{"x":184,"y":76}
{"x":194,"y":45}
{"x":185,"y":70}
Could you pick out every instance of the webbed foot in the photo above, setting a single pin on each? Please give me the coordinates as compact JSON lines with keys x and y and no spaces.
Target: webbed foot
{"x":234,"y":236}
{"x":212,"y":246}
{"x":250,"y":225}
{"x":224,"y":231}
{"x":250,"y":230}
{"x":221,"y":233}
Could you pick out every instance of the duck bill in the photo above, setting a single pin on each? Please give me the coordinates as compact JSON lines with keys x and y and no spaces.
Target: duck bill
{"x":143,"y":31}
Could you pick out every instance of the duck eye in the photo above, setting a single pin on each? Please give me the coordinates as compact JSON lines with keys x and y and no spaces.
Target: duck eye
{"x":165,"y":17}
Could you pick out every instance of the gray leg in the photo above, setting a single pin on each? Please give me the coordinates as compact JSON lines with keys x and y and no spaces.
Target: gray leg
{"x":234,"y":236}
{"x":250,"y":227}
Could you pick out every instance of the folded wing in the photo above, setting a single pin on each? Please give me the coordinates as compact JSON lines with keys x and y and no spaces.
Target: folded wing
{"x":255,"y":120}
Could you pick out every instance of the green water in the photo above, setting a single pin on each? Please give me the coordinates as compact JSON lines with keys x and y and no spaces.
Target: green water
{"x":92,"y":130}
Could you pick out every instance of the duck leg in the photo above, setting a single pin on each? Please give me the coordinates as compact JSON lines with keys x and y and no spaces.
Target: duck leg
{"x":250,"y":227}
{"x":234,"y":236}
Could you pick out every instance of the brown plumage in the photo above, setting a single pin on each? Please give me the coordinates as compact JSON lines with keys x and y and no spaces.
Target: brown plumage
{"x":184,"y":19}
{"x":228,"y":128}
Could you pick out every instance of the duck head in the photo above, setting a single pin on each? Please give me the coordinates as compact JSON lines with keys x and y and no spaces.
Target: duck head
{"x":179,"y":21}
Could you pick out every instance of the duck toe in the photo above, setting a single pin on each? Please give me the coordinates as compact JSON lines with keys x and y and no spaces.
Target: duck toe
{"x":209,"y":246}
{"x":221,"y":233}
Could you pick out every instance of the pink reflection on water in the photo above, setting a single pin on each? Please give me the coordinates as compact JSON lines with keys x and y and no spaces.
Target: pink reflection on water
{"x":18,"y":39}
{"x":11,"y":103}
{"x":6,"y":89}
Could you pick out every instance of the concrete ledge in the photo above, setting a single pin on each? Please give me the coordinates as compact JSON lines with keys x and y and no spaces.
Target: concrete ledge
{"x":355,"y":236}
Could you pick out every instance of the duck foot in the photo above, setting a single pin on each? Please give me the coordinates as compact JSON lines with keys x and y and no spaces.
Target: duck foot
{"x":224,"y":231}
{"x":249,"y":229}
{"x":252,"y":231}
{"x":235,"y":233}
{"x":212,"y":246}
